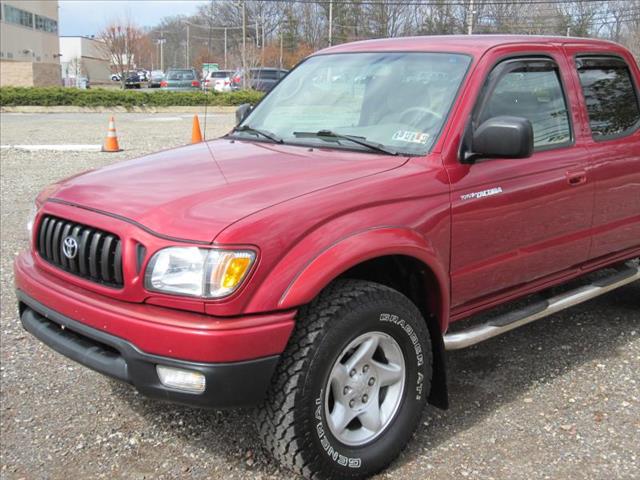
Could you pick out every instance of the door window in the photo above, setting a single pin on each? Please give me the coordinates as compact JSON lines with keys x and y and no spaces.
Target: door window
{"x":611,"y":99}
{"x":532,"y":91}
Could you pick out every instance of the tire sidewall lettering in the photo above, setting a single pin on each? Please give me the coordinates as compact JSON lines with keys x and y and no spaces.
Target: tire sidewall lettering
{"x":417,"y":347}
{"x":333,"y":453}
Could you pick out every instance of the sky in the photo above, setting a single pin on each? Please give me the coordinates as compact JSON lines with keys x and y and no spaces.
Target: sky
{"x":89,"y":17}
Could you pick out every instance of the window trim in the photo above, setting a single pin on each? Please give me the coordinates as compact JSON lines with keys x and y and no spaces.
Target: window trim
{"x":599,"y":56}
{"x":506,"y":65}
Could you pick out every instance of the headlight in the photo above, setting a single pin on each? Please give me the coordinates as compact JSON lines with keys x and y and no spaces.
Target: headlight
{"x":199,"y":272}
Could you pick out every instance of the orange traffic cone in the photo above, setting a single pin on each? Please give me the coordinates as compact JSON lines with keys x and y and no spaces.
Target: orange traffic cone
{"x":111,"y":142}
{"x":196,"y":134}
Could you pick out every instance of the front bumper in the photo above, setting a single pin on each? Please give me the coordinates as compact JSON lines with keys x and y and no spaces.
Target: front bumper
{"x":158,"y":330}
{"x":126,"y":340}
{"x":227,"y":384}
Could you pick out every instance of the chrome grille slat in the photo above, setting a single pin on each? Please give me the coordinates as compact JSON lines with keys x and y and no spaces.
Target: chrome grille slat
{"x":55,"y":242}
{"x":64,"y":261}
{"x":49,"y":237}
{"x":73,"y":263}
{"x":43,"y":231}
{"x":82,"y":254}
{"x":105,"y":269}
{"x":93,"y":255}
{"x":99,"y":253}
{"x":117,"y":262}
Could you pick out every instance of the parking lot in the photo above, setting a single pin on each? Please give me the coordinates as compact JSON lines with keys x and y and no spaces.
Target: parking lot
{"x":559,"y":399}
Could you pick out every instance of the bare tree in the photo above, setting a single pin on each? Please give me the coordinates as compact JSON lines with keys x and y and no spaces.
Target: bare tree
{"x":121,"y":38}
{"x":630,"y":32}
{"x":438,"y":18}
{"x":291,"y":30}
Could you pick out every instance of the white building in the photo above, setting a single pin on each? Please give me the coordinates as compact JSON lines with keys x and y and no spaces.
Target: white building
{"x":86,"y":57}
{"x":29,"y":53}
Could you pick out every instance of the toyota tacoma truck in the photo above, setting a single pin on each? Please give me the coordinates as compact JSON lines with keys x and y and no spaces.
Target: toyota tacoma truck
{"x":312,"y":262}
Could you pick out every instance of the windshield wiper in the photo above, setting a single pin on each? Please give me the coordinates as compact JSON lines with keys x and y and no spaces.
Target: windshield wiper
{"x":263,"y":133}
{"x":328,"y":134}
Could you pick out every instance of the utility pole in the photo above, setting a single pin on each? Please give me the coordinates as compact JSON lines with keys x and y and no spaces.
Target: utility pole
{"x":470,"y":18}
{"x":281,"y":49}
{"x":568,"y":31}
{"x":244,"y":46}
{"x":186,"y":57}
{"x":162,"y":50}
{"x":209,"y":42}
{"x":331,"y":23}
{"x":225,"y":48}
{"x":257,"y":35}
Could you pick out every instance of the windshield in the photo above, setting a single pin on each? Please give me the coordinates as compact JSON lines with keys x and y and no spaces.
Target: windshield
{"x":397,"y":100}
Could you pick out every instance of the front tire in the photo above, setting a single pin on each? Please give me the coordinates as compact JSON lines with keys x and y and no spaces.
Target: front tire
{"x":351,"y":385}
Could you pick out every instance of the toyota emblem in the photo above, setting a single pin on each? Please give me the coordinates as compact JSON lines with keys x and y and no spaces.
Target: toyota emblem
{"x":70,"y":247}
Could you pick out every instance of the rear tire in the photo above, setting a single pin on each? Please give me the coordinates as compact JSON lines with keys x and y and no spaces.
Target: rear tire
{"x":358,"y":350}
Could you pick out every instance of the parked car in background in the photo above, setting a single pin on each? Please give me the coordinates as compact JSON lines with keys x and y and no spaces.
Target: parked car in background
{"x":181,"y":79}
{"x":261,"y":79}
{"x":264,"y":79}
{"x":133,"y":80}
{"x":155,"y":79}
{"x":115,"y":77}
{"x":219,"y":81}
{"x":144,"y":75}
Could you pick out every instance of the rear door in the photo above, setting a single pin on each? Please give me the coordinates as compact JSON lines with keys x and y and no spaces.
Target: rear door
{"x":515,"y":221}
{"x":612,"y":107}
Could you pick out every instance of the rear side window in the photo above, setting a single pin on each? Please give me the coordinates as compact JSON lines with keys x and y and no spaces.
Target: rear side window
{"x":180,"y":75}
{"x":610,"y":96}
{"x":532,"y":91}
{"x":267,"y":75}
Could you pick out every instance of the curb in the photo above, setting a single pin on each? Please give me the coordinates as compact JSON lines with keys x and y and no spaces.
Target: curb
{"x":72,"y":109}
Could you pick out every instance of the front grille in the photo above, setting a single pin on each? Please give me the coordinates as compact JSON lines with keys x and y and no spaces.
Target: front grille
{"x":98,"y":254}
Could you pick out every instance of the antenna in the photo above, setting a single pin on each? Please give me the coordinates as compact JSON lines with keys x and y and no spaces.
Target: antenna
{"x":206,"y":99}
{"x":206,"y":91}
{"x":206,"y":103}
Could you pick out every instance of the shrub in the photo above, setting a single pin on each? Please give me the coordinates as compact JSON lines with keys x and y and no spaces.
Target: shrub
{"x":102,"y":97}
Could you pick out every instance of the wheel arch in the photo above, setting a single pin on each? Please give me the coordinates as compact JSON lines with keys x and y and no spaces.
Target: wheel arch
{"x":398,"y":258}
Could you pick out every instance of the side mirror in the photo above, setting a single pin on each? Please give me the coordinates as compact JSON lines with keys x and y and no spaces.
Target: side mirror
{"x":501,"y":137}
{"x":242,"y":111}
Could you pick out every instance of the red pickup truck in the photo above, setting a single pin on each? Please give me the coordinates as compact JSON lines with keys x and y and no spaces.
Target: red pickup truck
{"x":311,"y":262}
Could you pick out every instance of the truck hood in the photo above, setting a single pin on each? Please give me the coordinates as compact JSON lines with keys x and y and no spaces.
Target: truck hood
{"x":185,"y":193}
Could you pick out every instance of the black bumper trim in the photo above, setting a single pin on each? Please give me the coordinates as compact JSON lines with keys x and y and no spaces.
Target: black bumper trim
{"x":237,"y":384}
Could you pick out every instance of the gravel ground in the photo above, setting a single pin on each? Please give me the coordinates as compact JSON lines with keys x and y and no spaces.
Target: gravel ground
{"x":556,"y":399}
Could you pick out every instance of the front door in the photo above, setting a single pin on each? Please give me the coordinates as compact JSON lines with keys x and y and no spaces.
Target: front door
{"x":518,"y":220}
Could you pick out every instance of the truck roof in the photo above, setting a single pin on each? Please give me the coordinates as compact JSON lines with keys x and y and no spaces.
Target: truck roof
{"x":470,"y":44}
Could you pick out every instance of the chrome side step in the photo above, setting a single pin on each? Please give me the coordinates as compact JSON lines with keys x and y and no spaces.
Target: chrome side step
{"x":512,"y":320}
